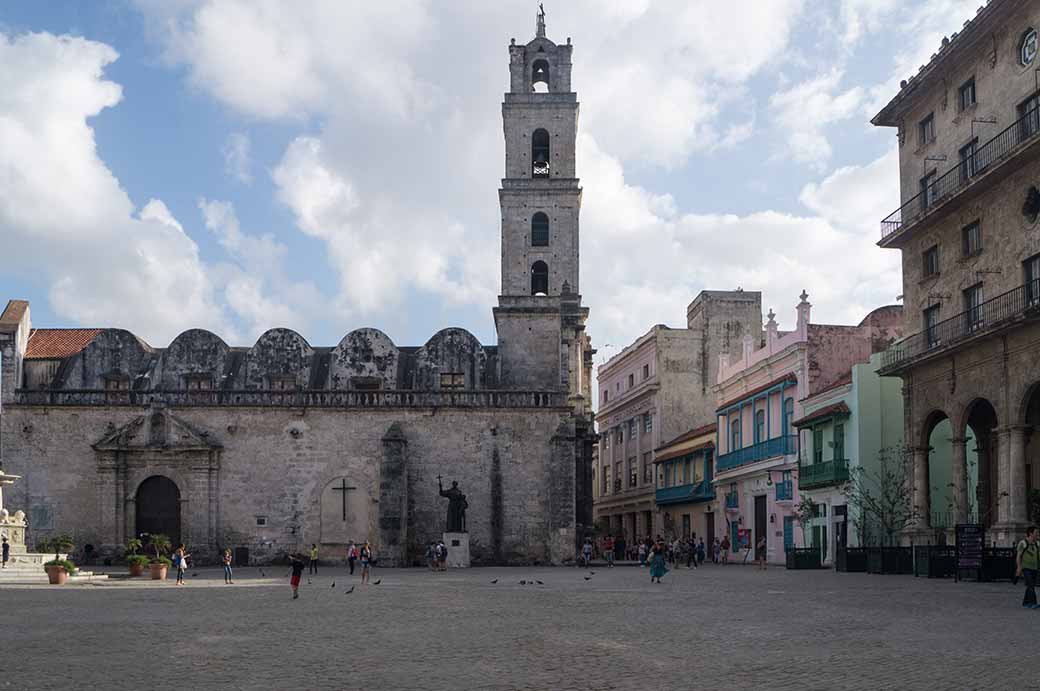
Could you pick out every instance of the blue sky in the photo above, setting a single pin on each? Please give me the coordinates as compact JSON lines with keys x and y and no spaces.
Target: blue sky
{"x":243,"y":165}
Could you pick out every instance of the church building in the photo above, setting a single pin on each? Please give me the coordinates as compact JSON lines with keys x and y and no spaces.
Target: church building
{"x":274,"y":446}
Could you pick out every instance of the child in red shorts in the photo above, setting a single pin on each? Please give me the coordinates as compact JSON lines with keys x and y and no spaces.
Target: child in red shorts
{"x":297,"y":566}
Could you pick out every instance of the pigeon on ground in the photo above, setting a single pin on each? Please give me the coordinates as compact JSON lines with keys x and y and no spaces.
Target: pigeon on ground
{"x":588,"y":578}
{"x":333,"y":584}
{"x":308,"y":581}
{"x":592,"y":573}
{"x":349,"y":590}
{"x":539,"y":583}
{"x":377,"y":582}
{"x":523,"y":582}
{"x":262,"y":574}
{"x":494,"y":581}
{"x":194,"y":574}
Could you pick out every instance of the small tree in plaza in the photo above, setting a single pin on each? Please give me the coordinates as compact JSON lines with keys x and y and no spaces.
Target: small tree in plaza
{"x":804,"y":512}
{"x":160,"y":544}
{"x":883,"y":498}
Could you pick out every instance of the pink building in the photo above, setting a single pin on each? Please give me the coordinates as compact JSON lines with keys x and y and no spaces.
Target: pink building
{"x":759,"y":396}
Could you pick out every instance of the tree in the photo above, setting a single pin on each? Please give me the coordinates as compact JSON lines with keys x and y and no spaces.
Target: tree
{"x":57,"y":544}
{"x":132,"y":545}
{"x":805,"y":511}
{"x":883,"y":499}
{"x":160,"y":543}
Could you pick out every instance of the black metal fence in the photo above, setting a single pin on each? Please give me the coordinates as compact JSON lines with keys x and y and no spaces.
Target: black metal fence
{"x":971,"y":166}
{"x":985,"y":315}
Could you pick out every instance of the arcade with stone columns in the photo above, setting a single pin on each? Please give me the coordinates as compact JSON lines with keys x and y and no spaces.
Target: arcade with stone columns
{"x":273,"y":446}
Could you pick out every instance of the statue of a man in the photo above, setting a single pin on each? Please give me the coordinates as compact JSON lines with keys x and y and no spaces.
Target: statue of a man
{"x":457,"y":506}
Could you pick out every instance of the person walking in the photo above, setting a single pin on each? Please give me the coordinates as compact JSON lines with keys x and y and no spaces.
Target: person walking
{"x":352,"y":555}
{"x":180,"y":560}
{"x":716,"y":551}
{"x":366,"y":561}
{"x":657,"y":565}
{"x":296,"y":566}
{"x":608,"y":551}
{"x":642,"y":555}
{"x":691,"y":552}
{"x":431,"y":556}
{"x":227,"y":566}
{"x":724,"y":548}
{"x":1027,"y":564}
{"x":700,"y":552}
{"x":760,"y":552}
{"x":314,"y":560}
{"x":5,"y":547}
{"x":586,"y":552}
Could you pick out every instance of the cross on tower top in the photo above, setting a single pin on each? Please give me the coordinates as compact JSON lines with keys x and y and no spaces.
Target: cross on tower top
{"x":540,"y":27}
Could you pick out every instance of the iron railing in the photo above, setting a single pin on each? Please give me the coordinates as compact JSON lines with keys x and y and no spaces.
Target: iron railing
{"x":784,"y":491}
{"x":777,"y":446}
{"x":295,"y":399}
{"x":960,"y":176}
{"x":822,"y":474}
{"x":967,"y":324}
{"x":699,"y":491}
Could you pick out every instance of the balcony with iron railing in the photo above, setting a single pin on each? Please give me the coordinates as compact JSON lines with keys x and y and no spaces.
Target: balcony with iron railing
{"x":1002,"y":311}
{"x":823,"y":474}
{"x":693,"y":492}
{"x":983,"y":160}
{"x":785,"y":491}
{"x":778,"y":446}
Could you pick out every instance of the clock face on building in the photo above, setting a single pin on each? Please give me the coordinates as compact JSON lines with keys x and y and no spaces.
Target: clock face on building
{"x":1028,"y":49}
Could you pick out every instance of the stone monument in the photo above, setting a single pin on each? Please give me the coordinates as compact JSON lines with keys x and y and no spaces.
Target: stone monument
{"x":456,"y":539}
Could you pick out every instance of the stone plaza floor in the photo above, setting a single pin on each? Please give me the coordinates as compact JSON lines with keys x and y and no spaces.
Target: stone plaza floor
{"x":718,"y":627}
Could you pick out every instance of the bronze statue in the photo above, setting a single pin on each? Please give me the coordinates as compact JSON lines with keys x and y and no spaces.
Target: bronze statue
{"x":457,"y":506}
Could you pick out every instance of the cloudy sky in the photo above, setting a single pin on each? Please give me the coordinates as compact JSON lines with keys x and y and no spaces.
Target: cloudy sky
{"x":242,"y":164}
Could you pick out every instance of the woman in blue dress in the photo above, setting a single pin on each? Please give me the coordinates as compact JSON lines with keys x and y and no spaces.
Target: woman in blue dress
{"x":657,"y":567}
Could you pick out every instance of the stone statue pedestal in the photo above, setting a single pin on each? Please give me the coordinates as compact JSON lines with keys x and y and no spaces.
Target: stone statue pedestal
{"x":458,"y":550}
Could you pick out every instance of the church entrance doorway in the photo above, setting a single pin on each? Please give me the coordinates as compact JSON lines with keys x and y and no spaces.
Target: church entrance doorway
{"x":159,"y":508}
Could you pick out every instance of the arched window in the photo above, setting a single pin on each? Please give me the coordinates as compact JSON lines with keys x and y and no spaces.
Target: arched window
{"x":540,"y":154}
{"x":540,"y":75}
{"x":539,"y":230}
{"x":540,"y":278}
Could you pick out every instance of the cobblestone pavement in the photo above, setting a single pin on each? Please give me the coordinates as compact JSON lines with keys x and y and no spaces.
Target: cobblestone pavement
{"x":719,"y":627}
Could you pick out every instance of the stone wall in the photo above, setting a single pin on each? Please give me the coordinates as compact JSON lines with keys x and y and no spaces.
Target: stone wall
{"x":275,"y":463}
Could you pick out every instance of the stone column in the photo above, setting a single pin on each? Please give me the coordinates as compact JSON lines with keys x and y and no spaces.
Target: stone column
{"x":921,"y":498}
{"x":1003,"y":494}
{"x":960,"y":478}
{"x":392,"y":543}
{"x":1015,"y":442}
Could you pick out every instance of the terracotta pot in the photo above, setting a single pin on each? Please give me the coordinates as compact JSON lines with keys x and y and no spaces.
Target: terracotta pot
{"x":57,"y":575}
{"x":158,"y":571}
{"x":137,"y":570}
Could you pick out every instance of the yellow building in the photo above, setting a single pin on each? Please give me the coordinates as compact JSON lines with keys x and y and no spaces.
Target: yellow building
{"x":684,"y":495}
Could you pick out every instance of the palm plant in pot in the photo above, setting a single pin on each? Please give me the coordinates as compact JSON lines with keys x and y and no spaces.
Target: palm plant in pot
{"x":58,"y":569}
{"x":136,"y":561}
{"x":160,"y":544}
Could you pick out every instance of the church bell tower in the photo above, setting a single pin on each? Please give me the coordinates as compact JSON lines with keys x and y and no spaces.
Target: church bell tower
{"x":539,"y":318}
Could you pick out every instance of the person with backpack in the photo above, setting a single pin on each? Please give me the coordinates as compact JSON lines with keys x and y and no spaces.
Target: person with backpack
{"x":352,"y":555}
{"x":1027,"y":564}
{"x":180,"y":560}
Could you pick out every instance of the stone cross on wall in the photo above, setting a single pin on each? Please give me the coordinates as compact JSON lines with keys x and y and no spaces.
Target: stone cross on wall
{"x":344,"y":489}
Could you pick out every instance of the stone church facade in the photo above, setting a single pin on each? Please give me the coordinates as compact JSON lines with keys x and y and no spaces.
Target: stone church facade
{"x":282,"y":444}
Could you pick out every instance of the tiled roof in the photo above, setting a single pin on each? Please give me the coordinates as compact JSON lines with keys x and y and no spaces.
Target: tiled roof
{"x":53,"y":344}
{"x":692,"y":434}
{"x":12,"y":314}
{"x":748,"y":394}
{"x":683,"y":452}
{"x":827,"y":411}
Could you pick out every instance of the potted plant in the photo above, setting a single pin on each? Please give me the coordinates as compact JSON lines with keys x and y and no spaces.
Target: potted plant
{"x":159,"y":564}
{"x":58,"y":569}
{"x":136,"y":562}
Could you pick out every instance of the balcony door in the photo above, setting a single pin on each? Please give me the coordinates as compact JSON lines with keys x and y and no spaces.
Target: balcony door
{"x":760,"y":526}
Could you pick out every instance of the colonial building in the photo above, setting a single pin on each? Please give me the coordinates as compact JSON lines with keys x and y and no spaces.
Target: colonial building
{"x":968,"y":228}
{"x":845,"y":429}
{"x":656,"y":389}
{"x":685,"y":491}
{"x":760,"y":396}
{"x":273,"y":446}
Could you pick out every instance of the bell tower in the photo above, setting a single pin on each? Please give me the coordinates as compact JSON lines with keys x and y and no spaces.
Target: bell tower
{"x":539,"y":318}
